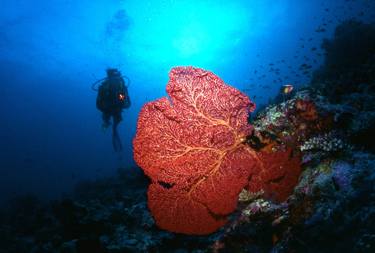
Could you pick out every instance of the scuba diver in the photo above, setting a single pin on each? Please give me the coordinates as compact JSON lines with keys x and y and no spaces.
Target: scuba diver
{"x":112,"y":98}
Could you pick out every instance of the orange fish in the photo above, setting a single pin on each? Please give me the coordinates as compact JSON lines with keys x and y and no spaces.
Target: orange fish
{"x":287,"y":88}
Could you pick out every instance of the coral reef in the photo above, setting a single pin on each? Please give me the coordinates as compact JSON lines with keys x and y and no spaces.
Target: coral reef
{"x":332,"y":207}
{"x":347,"y":80}
{"x":327,"y":205}
{"x":329,"y":208}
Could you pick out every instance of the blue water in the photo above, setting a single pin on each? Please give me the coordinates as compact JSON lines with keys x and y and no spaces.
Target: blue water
{"x":52,"y":51}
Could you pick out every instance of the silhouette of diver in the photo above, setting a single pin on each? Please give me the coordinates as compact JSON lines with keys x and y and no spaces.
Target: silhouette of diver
{"x":112,"y":98}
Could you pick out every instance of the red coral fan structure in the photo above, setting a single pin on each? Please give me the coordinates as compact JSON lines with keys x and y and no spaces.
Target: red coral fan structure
{"x":279,"y":173}
{"x":192,"y":147}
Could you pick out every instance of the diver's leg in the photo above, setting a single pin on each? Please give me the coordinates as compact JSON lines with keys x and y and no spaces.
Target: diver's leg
{"x":116,"y":141}
{"x":106,"y":119}
{"x":117,"y":117}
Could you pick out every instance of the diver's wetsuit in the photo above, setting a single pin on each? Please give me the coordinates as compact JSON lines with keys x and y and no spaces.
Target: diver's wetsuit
{"x":112,"y":99}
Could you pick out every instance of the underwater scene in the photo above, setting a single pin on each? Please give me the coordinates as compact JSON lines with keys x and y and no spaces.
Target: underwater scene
{"x":187,"y":126}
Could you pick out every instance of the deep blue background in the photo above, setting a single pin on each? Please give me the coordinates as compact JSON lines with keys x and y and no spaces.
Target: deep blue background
{"x":52,"y":50}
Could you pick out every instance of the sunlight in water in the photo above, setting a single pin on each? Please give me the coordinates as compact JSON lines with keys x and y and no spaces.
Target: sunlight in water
{"x":187,"y":31}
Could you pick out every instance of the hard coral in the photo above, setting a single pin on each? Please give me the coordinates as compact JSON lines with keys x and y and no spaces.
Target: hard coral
{"x":193,"y":148}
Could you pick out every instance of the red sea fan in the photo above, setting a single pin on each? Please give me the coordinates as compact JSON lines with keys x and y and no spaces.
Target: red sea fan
{"x":191,"y":145}
{"x":279,"y":173}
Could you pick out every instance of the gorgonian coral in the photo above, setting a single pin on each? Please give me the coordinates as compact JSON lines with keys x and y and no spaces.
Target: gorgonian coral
{"x":192,"y":146}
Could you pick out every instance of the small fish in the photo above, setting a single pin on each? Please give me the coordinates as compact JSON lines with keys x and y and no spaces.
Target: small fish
{"x":305,"y":72}
{"x":320,"y":30}
{"x":287,"y":88}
